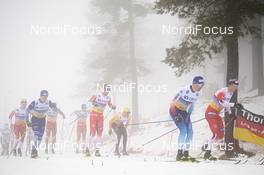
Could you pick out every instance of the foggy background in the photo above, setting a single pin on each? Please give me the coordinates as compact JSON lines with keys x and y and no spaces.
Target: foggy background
{"x":55,"y":61}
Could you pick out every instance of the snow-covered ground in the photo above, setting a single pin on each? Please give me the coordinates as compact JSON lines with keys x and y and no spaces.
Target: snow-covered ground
{"x":154,"y":158}
{"x":77,"y":164}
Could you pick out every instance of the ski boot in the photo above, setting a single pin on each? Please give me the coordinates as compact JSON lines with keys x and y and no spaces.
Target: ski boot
{"x":204,"y":147}
{"x":97,"y":153}
{"x":208,"y":156}
{"x":77,"y":151}
{"x":186,"y":157}
{"x":52,"y":151}
{"x":125,"y":153}
{"x":19,"y":152}
{"x":179,"y":155}
{"x":14,"y":152}
{"x":34,"y":154}
{"x":117,"y":151}
{"x":87,"y":153}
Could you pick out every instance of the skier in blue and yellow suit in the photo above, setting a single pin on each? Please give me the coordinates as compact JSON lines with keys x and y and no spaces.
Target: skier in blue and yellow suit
{"x":38,"y":110}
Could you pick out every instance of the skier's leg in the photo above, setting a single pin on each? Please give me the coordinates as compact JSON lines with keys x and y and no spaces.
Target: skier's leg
{"x":221,"y":130}
{"x":53,"y":136}
{"x":90,"y":143}
{"x":118,"y":136}
{"x":78,"y":137}
{"x":217,"y":129}
{"x":92,"y":129}
{"x":181,"y":139}
{"x":22,"y":137}
{"x":38,"y":126}
{"x":84,"y":130}
{"x":16,"y":138}
{"x":189,"y":137}
{"x":212,"y":119}
{"x":188,"y":141}
{"x":28,"y":140}
{"x":99,"y":129}
{"x":174,"y":112}
{"x":182,"y":135}
{"x":124,"y":141}
{"x":54,"y":133}
{"x":48,"y":132}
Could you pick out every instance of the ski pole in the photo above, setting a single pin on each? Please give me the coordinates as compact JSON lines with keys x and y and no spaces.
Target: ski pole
{"x":71,"y":132}
{"x":62,"y":129}
{"x":152,"y":122}
{"x":152,"y":140}
{"x":15,"y":145}
{"x":108,"y":114}
{"x":73,"y":121}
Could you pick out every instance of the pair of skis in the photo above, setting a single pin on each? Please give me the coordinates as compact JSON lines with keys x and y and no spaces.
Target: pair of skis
{"x":239,"y":161}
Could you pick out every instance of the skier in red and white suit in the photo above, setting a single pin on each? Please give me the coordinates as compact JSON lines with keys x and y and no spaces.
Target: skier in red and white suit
{"x":99,"y":102}
{"x":81,"y":119}
{"x":220,"y":101}
{"x":19,"y":128}
{"x":51,"y":127}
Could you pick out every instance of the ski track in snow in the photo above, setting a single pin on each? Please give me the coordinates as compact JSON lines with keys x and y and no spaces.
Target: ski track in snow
{"x":72,"y":164}
{"x":131,"y":165}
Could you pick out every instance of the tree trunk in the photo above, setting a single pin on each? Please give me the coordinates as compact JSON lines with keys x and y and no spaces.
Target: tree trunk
{"x":133,"y":66}
{"x":257,"y":60}
{"x":232,"y":72}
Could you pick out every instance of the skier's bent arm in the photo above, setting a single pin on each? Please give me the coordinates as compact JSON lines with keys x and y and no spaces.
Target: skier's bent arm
{"x":128,"y":121}
{"x":111,"y":105}
{"x":12,"y":114}
{"x":178,"y":95}
{"x":61,"y":113}
{"x":112,"y":120}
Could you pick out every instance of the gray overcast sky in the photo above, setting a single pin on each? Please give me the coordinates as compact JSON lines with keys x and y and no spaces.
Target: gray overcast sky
{"x":30,"y":62}
{"x":52,"y":61}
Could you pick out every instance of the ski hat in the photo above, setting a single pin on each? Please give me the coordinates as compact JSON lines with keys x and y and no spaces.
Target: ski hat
{"x":44,"y":93}
{"x":53,"y":105}
{"x":221,"y":96}
{"x":23,"y":100}
{"x":107,"y":87}
{"x":84,"y":105}
{"x":233,"y":82}
{"x":198,"y":80}
{"x":126,"y":109}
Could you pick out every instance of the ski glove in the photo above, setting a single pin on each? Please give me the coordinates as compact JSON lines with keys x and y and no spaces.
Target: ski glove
{"x":29,"y":124}
{"x":178,"y":118}
{"x":239,"y":106}
{"x":113,"y":107}
{"x":110,"y":132}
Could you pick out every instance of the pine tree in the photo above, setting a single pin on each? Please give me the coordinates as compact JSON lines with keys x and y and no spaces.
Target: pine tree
{"x":196,"y":47}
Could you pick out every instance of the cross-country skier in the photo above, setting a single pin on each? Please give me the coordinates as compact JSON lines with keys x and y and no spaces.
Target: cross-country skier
{"x":19,"y":126}
{"x":99,"y":102}
{"x":81,"y":127}
{"x":51,"y":126}
{"x":28,"y":139}
{"x":119,"y":123}
{"x":38,"y":110}
{"x":180,"y":111}
{"x":220,"y":101}
{"x":5,"y":134}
